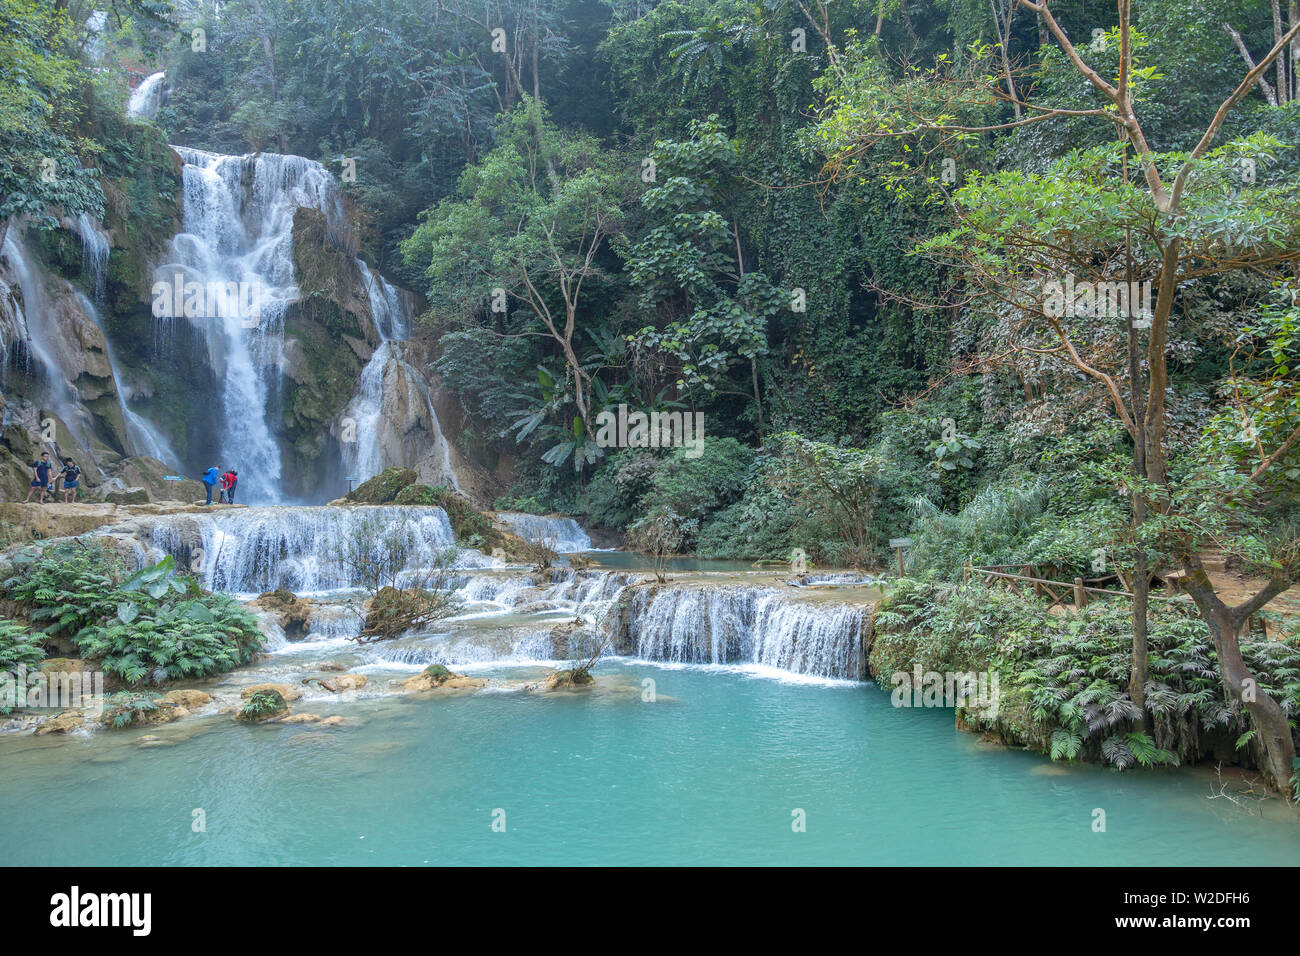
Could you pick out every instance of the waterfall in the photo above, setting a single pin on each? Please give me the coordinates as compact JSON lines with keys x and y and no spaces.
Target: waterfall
{"x":142,"y":437}
{"x":239,"y":236}
{"x":146,"y":98}
{"x":742,"y":625}
{"x":94,"y":255}
{"x":302,"y":549}
{"x":559,"y":534}
{"x":35,"y":329}
{"x":379,"y":433}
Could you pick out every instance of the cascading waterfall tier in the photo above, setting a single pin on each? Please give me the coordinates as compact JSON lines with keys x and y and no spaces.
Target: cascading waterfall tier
{"x":303,"y":549}
{"x":146,"y":98}
{"x":703,"y":624}
{"x":559,"y":534}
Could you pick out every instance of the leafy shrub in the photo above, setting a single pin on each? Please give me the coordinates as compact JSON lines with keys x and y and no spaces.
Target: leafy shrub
{"x":19,"y":647}
{"x":262,"y":704}
{"x":129,"y":707}
{"x":994,"y":528}
{"x":1064,"y":678}
{"x":154,"y":626}
{"x":636,"y":481}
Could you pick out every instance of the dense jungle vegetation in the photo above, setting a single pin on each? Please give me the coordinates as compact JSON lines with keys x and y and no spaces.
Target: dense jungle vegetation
{"x":835,"y":229}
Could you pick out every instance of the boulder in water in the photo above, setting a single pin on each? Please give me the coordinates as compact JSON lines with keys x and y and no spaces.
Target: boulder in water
{"x":341,"y":683}
{"x":438,"y":677}
{"x":294,"y":613}
{"x":569,"y":679}
{"x":261,"y":706}
{"x":287,"y":691}
{"x":188,"y":699}
{"x":63,"y":723}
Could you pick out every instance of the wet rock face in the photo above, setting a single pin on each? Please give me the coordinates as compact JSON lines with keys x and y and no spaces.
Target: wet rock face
{"x":294,"y":613}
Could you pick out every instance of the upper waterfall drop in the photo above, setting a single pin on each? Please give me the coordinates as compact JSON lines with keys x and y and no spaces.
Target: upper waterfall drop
{"x":146,"y":98}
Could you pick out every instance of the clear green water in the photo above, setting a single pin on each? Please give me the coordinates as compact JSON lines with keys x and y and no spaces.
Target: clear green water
{"x":708,"y":773}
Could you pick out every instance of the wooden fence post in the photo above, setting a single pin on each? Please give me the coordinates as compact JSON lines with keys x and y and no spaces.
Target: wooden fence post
{"x":1080,"y":594}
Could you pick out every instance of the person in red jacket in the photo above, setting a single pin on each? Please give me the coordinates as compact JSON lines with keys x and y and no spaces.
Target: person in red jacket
{"x":228,"y":482}
{"x":225,"y":487}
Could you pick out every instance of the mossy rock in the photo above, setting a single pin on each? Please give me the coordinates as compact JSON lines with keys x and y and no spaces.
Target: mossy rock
{"x":383,"y":488}
{"x":262,"y":706}
{"x":438,"y":673}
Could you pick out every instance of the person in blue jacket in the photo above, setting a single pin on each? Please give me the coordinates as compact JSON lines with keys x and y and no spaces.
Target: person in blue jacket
{"x":210,"y":478}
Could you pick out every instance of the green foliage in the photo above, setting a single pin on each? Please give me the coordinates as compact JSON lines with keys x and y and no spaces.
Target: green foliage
{"x":129,"y":707}
{"x":19,"y":646}
{"x":1064,"y":678}
{"x":261,"y":705}
{"x":152,"y":626}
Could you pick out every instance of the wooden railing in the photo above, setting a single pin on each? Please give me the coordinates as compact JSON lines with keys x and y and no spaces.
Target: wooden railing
{"x":1066,"y":594}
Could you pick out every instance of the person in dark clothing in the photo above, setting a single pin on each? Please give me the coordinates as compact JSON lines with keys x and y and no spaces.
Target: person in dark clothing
{"x":209,"y":479}
{"x":40,"y":476}
{"x":70,"y":475}
{"x":232,"y":479}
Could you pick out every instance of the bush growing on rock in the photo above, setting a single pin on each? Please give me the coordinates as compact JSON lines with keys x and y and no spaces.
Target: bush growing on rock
{"x":130,"y":707}
{"x":262,"y":705}
{"x":382,"y":489}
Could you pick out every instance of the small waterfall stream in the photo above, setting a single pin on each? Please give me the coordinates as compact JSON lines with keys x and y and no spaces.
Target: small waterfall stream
{"x":560,"y":534}
{"x":146,"y":98}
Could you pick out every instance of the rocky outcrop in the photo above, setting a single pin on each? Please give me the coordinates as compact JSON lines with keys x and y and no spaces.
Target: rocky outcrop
{"x":292,"y":612}
{"x":438,"y":677}
{"x":63,"y":723}
{"x":262,"y":705}
{"x":336,"y":685}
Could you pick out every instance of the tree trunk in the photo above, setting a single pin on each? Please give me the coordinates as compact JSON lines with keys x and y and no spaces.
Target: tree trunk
{"x":1273,"y":732}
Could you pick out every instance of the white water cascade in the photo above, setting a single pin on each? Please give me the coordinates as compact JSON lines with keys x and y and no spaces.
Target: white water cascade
{"x":379,"y":434}
{"x":301,"y":549}
{"x":239,"y":229}
{"x":146,"y":98}
{"x":559,"y":534}
{"x":743,"y":625}
{"x":50,"y":358}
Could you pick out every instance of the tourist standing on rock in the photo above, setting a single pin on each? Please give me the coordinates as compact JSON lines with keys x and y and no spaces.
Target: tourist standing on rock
{"x":210,"y":478}
{"x":230,"y":479}
{"x":70,"y":475}
{"x":40,"y":476}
